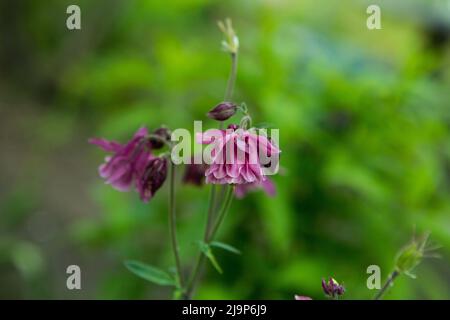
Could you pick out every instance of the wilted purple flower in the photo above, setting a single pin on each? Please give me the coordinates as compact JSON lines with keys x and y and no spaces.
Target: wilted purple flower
{"x":222,"y":111}
{"x":127,"y":161}
{"x":332,"y":288}
{"x":195,"y":174}
{"x":297,"y":297}
{"x":152,"y":178}
{"x":267,"y":185}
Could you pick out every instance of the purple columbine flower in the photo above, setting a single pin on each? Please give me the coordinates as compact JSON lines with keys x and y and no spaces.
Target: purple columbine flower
{"x":152,"y":178}
{"x":127,"y":160}
{"x":332,"y":288}
{"x":235,"y":156}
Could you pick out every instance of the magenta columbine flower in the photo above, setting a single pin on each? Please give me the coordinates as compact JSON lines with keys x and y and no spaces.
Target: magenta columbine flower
{"x":236,"y":156}
{"x":152,"y":178}
{"x":127,"y":161}
{"x":267,"y":185}
{"x":332,"y":288}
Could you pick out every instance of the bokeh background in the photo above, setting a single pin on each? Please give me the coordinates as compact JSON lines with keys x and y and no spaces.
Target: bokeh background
{"x":364,"y":127}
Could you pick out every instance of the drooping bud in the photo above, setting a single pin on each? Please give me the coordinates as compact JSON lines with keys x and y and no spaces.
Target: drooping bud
{"x":153,"y":177}
{"x":163,"y":134}
{"x":222,"y":111}
{"x":195,"y":174}
{"x":332,"y":288}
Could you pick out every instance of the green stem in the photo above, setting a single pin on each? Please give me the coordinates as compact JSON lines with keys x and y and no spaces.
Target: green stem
{"x":389,"y":282}
{"x":201,"y":258}
{"x":228,"y":95}
{"x":195,"y":276}
{"x":172,"y":226}
{"x":227,"y":203}
{"x":232,"y":77}
{"x":208,"y":235}
{"x":211,"y":207}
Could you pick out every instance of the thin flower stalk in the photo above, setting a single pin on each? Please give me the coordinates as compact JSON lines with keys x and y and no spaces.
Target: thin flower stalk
{"x":172,"y":227}
{"x":231,"y":45}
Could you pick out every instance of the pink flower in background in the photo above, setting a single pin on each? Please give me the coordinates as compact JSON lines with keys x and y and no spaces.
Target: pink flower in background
{"x":126,"y":162}
{"x":267,"y":185}
{"x":297,"y":297}
{"x":236,"y":156}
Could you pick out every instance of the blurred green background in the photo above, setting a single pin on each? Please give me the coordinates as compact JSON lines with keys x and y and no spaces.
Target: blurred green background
{"x":364,"y":127}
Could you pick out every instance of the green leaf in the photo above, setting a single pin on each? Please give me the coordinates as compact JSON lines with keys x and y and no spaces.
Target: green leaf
{"x":150,"y":273}
{"x":205,"y":248}
{"x":177,"y":294}
{"x":213,"y":260}
{"x":225,"y":246}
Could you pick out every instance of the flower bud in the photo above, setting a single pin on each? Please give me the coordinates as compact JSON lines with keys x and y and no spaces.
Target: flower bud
{"x":164,"y":134}
{"x":231,"y":42}
{"x":332,"y":288}
{"x":153,"y":177}
{"x":222,"y":111}
{"x":195,"y":174}
{"x":411,"y":255}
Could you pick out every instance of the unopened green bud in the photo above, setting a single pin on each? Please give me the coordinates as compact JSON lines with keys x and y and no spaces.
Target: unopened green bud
{"x":411,"y":256}
{"x":231,"y":42}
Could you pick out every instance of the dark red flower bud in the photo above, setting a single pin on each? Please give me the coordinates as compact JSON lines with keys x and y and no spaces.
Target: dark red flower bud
{"x":163,"y":134}
{"x":222,"y":111}
{"x":153,"y":177}
{"x":195,"y":174}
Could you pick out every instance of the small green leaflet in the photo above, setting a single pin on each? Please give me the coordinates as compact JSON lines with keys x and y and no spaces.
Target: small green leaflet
{"x":225,"y":246}
{"x":150,"y":273}
{"x":204,"y":247}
